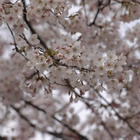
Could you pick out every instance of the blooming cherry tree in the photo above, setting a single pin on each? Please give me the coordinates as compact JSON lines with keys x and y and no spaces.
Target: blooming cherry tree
{"x":67,"y":71}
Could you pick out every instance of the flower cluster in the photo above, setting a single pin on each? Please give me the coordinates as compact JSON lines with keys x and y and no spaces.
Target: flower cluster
{"x":9,"y":87}
{"x":57,"y":64}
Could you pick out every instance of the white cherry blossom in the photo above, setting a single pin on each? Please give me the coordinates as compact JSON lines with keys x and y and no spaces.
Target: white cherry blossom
{"x":70,"y":69}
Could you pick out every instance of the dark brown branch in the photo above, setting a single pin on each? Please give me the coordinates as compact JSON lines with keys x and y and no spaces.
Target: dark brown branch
{"x":100,"y":7}
{"x":97,"y":13}
{"x":132,"y":116}
{"x":23,"y":117}
{"x":65,"y":125}
{"x":107,"y":129}
{"x":30,"y":26}
{"x":117,"y":114}
{"x":3,"y":138}
{"x":55,"y":134}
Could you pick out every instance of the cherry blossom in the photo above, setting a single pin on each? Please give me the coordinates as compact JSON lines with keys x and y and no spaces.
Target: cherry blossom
{"x":70,"y":69}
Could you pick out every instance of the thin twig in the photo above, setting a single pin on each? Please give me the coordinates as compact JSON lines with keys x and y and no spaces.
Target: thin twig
{"x":15,"y":44}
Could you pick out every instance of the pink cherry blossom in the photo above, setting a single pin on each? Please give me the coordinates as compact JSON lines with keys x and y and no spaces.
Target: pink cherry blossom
{"x":70,"y":69}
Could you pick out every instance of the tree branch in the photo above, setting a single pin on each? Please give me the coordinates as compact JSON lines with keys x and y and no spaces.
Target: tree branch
{"x":30,"y":26}
{"x":65,"y":125}
{"x":118,"y":115}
